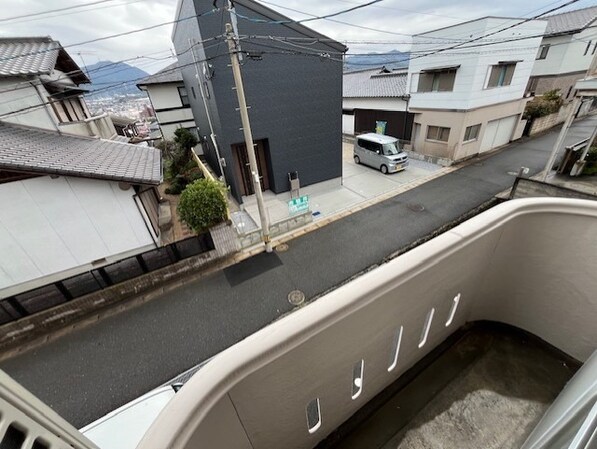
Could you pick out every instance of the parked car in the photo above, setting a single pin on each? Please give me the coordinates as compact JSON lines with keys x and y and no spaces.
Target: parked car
{"x":124,"y":427}
{"x":380,"y":152}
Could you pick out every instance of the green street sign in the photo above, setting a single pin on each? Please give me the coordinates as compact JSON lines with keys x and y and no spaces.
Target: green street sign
{"x":297,"y":205}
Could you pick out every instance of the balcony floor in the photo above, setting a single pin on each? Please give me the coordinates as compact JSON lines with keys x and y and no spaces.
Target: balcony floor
{"x":488,"y":390}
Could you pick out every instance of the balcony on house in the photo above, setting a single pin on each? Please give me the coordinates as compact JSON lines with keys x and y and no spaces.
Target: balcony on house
{"x":97,"y":126}
{"x":481,"y":337}
{"x":465,"y":340}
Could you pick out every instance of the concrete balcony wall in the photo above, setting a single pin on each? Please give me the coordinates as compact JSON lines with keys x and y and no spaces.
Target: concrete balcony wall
{"x":99,"y":126}
{"x":529,"y":263}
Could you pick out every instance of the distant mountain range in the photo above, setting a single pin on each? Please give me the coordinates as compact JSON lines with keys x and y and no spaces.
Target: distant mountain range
{"x":106,"y":73}
{"x":394,"y":59}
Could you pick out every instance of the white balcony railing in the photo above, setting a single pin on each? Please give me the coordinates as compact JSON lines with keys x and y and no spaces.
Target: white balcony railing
{"x":528,"y":263}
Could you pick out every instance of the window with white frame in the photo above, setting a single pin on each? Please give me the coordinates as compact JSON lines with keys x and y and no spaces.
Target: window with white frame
{"x":501,"y":74}
{"x":437,"y":80}
{"x":472,"y":133}
{"x":543,"y":50}
{"x":438,"y":133}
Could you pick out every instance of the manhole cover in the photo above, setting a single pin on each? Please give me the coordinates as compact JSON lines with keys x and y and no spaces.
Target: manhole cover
{"x":296,"y":297}
{"x":416,"y":207}
{"x":282,"y":247}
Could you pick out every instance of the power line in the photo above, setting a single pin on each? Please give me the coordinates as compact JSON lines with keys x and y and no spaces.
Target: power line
{"x":54,"y":10}
{"x":103,"y":89}
{"x":111,"y":36}
{"x":410,"y":11}
{"x":344,"y":23}
{"x":77,"y":12}
{"x":283,"y":22}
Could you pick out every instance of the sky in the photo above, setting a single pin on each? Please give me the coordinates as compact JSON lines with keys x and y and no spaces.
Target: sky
{"x":152,"y":49}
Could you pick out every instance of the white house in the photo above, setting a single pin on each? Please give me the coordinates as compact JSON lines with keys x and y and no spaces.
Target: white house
{"x":470,"y":99}
{"x":40,"y":87}
{"x":565,"y":53}
{"x":170,"y":100}
{"x":376,"y":95}
{"x":70,"y":204}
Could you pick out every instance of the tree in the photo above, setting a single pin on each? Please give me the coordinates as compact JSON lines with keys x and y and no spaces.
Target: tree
{"x":180,"y":157}
{"x":203,"y":205}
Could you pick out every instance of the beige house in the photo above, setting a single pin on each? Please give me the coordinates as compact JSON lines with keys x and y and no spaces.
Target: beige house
{"x":40,"y":86}
{"x":470,"y":99}
{"x":565,"y":53}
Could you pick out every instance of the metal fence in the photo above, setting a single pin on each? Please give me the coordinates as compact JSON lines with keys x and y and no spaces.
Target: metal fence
{"x":50,"y":295}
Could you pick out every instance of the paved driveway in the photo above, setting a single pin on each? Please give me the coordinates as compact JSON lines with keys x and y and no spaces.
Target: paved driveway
{"x":359,"y":183}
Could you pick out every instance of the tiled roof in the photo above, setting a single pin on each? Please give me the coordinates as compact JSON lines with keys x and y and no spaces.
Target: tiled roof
{"x":572,"y":21}
{"x":374,"y":83}
{"x":24,"y":56}
{"x":47,"y":152}
{"x":170,"y":74}
{"x":40,"y":55}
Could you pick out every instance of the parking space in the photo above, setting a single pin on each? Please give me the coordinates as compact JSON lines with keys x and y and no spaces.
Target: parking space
{"x":369,"y":182}
{"x":359,"y":184}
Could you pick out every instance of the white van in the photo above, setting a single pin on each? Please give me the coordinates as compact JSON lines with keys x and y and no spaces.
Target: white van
{"x":380,"y":152}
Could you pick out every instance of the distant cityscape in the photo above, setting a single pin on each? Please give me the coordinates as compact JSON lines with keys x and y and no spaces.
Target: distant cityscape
{"x":133,"y":106}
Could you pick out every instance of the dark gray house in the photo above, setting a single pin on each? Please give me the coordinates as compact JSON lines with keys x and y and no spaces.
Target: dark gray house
{"x":293,"y":84}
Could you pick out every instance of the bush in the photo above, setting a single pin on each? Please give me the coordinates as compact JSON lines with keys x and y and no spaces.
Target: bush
{"x":549,"y":103}
{"x":591,"y":165}
{"x":203,"y":205}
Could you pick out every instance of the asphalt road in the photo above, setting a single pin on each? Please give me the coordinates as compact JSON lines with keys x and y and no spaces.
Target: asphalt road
{"x":89,"y":372}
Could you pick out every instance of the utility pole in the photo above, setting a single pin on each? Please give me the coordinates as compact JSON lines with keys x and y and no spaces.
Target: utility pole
{"x":203,"y":97}
{"x":244,"y":116}
{"x":573,"y":110}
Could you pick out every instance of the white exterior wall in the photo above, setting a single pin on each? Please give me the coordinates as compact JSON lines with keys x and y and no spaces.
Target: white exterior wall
{"x":26,"y":95}
{"x":469,"y":87}
{"x":165,"y":96}
{"x":348,"y":124}
{"x":168,"y":130}
{"x":566,"y":54}
{"x":50,"y":226}
{"x":380,"y":104}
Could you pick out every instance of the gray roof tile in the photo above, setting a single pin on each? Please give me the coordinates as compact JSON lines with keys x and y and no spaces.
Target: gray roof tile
{"x":25,"y":56}
{"x":42,"y":151}
{"x":170,"y":74}
{"x":374,"y":83}
{"x":572,"y":21}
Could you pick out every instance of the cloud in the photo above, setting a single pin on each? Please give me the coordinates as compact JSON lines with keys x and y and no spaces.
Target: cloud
{"x":118,"y":16}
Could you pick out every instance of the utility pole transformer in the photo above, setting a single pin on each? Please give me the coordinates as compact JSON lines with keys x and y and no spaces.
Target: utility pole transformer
{"x":244,"y":116}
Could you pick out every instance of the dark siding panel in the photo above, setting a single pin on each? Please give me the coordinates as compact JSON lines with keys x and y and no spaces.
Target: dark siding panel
{"x":364,"y":122}
{"x":296,"y":101}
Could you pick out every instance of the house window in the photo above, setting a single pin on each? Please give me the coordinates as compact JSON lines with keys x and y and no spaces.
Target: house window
{"x":184,"y":97}
{"x":501,"y":75}
{"x":472,"y":133}
{"x":438,"y":133}
{"x":543,"y":50}
{"x":437,"y":81}
{"x":587,"y":49}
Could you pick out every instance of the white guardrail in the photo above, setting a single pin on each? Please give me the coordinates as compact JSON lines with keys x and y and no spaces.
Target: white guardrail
{"x":529,"y":263}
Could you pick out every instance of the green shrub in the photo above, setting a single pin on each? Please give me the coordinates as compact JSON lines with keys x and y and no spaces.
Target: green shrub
{"x":203,"y":205}
{"x":549,"y":103}
{"x":179,"y":182}
{"x":591,"y":165}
